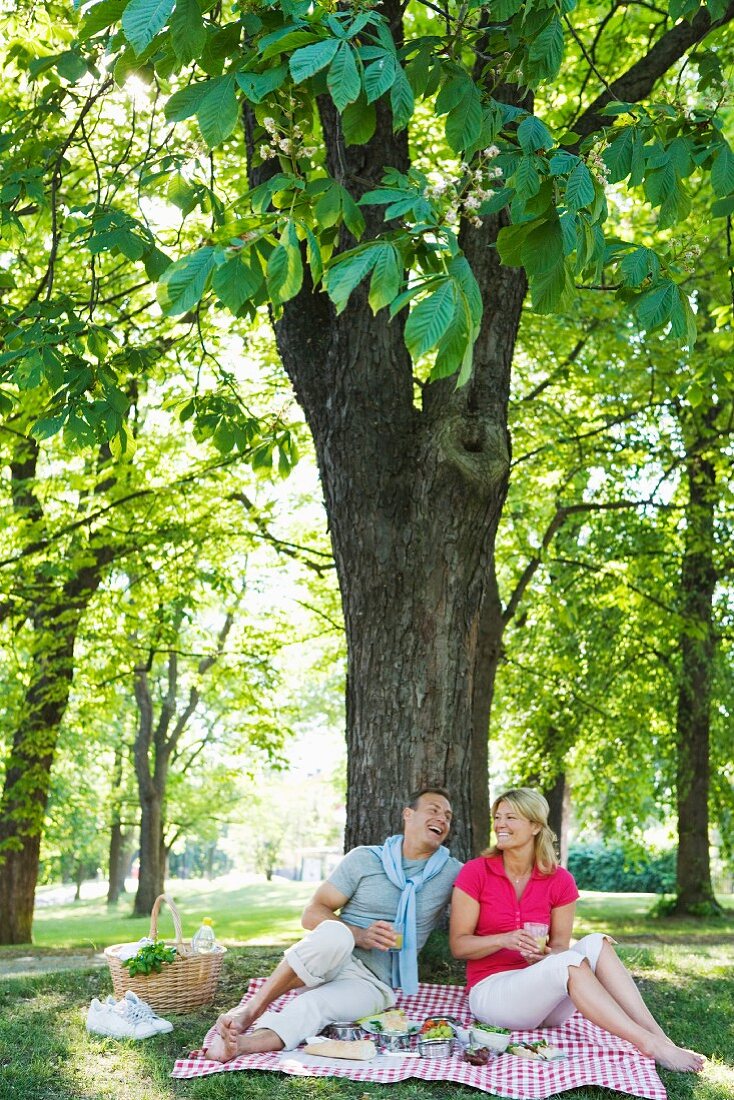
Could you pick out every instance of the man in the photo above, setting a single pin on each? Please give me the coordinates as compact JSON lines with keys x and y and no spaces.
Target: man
{"x":349,"y":965}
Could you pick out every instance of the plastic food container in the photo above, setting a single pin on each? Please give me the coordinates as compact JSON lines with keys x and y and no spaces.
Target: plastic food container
{"x":434,"y":1048}
{"x":492,"y":1040}
{"x":344,"y":1030}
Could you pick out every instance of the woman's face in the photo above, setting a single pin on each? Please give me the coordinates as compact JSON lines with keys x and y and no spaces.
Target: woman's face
{"x":511,"y":829}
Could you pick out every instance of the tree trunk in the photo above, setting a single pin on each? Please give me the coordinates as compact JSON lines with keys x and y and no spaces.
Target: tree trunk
{"x":116,"y":876}
{"x":151,"y":793}
{"x":28,"y":774}
{"x":694,"y":892}
{"x":559,"y":799}
{"x":414,"y":496}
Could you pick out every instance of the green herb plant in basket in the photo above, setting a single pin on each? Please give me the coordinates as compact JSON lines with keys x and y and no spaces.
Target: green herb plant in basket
{"x":150,"y":959}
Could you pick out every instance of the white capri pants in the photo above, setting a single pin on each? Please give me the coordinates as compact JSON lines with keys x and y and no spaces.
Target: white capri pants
{"x":537,"y":995}
{"x":337,"y":986}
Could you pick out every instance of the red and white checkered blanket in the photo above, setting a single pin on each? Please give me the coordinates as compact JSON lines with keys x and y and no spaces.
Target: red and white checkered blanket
{"x":594,"y":1057}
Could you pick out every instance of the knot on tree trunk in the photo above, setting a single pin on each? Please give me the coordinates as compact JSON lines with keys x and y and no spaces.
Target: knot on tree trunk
{"x":477,"y":448}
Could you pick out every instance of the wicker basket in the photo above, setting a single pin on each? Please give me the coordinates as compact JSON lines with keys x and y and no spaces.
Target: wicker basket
{"x":181,"y":986}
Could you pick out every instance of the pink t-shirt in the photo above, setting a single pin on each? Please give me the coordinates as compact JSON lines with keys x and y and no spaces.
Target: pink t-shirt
{"x":484,"y":879}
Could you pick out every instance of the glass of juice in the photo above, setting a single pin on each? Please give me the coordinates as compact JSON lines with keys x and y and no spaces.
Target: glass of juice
{"x":539,"y":932}
{"x":399,"y":933}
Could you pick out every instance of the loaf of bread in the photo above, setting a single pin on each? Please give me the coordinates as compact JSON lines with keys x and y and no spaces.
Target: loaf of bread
{"x":360,"y":1049}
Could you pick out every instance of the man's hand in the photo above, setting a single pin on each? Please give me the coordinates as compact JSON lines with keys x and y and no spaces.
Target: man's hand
{"x":380,"y":935}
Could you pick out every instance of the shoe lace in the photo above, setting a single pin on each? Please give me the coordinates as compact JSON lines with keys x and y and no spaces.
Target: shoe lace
{"x":138,"y":1013}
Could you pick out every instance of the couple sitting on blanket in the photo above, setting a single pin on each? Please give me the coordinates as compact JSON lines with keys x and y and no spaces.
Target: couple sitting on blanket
{"x":347,"y":966}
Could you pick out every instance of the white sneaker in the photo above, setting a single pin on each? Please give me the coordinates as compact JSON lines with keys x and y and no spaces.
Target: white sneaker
{"x":102,"y":1020}
{"x":106,"y":1019}
{"x":142,"y":1010}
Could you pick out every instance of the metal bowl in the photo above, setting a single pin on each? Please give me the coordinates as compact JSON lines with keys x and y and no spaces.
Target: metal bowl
{"x":390,"y":1042}
{"x":434,"y":1048}
{"x":344,"y":1030}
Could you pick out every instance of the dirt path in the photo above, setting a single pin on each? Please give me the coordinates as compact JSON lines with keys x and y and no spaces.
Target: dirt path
{"x":29,"y":966}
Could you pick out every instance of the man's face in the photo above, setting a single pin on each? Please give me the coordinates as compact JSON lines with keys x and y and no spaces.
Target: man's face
{"x":427,"y":826}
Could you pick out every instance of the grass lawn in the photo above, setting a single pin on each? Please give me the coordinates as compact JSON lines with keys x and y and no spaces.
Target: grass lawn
{"x":684,"y":969}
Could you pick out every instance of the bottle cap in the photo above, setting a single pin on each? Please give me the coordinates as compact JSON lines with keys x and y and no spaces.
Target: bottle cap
{"x":207,"y":920}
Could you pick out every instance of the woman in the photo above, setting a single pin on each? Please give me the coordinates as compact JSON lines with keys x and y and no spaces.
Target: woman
{"x":514,"y":983}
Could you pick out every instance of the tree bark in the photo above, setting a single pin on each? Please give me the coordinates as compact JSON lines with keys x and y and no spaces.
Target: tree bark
{"x":28,"y":773}
{"x":694,"y":891}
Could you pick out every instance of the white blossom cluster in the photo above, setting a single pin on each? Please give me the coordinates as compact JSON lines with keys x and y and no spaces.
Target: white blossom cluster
{"x":284,"y":144}
{"x":473,"y":188}
{"x":597,"y":166}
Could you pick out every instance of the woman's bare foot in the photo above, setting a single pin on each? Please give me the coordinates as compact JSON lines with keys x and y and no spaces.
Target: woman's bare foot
{"x":224,"y":1043}
{"x":669,"y":1056}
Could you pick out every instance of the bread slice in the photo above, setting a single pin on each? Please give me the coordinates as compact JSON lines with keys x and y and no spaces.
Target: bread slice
{"x":359,"y":1049}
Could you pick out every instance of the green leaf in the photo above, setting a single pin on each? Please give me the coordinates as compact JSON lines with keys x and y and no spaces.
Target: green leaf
{"x":526,"y":178}
{"x":346,"y":273}
{"x":257,"y":86}
{"x":464,"y":121}
{"x":452,"y":347}
{"x":343,"y":78}
{"x":143,"y":19}
{"x":683,"y":319}
{"x":219,"y":111}
{"x":101,"y":16}
{"x":546,"y":50}
{"x":235,"y":283}
{"x":379,"y":77}
{"x":618,"y":155}
{"x":461,"y":270}
{"x":542,"y":248}
{"x":186,"y":102}
{"x":402,"y":101}
{"x":285,"y":267}
{"x":430,"y":319}
{"x":184,"y":282}
{"x":722,"y":173}
{"x":387,"y":275}
{"x":637,"y":265}
{"x":552,"y":291}
{"x":188,"y":33}
{"x":534,"y":134}
{"x":509,"y":244}
{"x":358,"y":122}
{"x":311,"y":59}
{"x":352,"y":215}
{"x":328,"y":208}
{"x":654,"y":308}
{"x":723,"y":207}
{"x":579,"y":188}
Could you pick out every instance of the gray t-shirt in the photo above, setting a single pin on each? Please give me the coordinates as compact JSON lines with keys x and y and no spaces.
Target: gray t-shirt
{"x":372,"y":897}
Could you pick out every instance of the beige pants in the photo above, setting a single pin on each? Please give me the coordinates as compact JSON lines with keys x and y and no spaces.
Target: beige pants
{"x":337,"y":986}
{"x":537,"y":995}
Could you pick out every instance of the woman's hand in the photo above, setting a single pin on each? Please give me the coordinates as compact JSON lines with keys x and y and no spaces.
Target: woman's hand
{"x":522,"y":941}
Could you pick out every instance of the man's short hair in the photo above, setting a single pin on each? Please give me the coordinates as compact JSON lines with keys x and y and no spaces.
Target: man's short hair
{"x":415,"y":797}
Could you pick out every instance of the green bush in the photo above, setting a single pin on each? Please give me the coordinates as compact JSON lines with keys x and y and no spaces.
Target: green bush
{"x":609,"y":867}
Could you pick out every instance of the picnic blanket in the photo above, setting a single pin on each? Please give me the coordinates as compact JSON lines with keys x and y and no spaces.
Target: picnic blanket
{"x":594,"y":1057}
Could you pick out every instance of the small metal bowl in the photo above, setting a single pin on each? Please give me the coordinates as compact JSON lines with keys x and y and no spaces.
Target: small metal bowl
{"x":392,"y":1042}
{"x":344,"y":1030}
{"x":434,"y":1048}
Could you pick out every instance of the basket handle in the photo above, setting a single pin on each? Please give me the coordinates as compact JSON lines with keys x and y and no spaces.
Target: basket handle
{"x":176,"y":920}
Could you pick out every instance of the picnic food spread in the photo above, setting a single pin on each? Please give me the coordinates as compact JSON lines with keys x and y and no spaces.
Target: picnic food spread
{"x":360,"y":1049}
{"x":539,"y":1051}
{"x":435,"y":1027}
{"x":394,"y":1020}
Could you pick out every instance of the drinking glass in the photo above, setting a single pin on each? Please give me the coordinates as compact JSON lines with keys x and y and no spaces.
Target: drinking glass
{"x":538,"y":931}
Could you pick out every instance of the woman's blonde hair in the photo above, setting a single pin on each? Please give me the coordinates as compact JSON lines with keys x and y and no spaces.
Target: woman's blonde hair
{"x":533,"y":807}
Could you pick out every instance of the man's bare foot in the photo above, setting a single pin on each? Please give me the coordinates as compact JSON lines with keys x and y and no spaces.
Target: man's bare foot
{"x":669,"y":1056}
{"x":224,"y":1043}
{"x":241,"y":1017}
